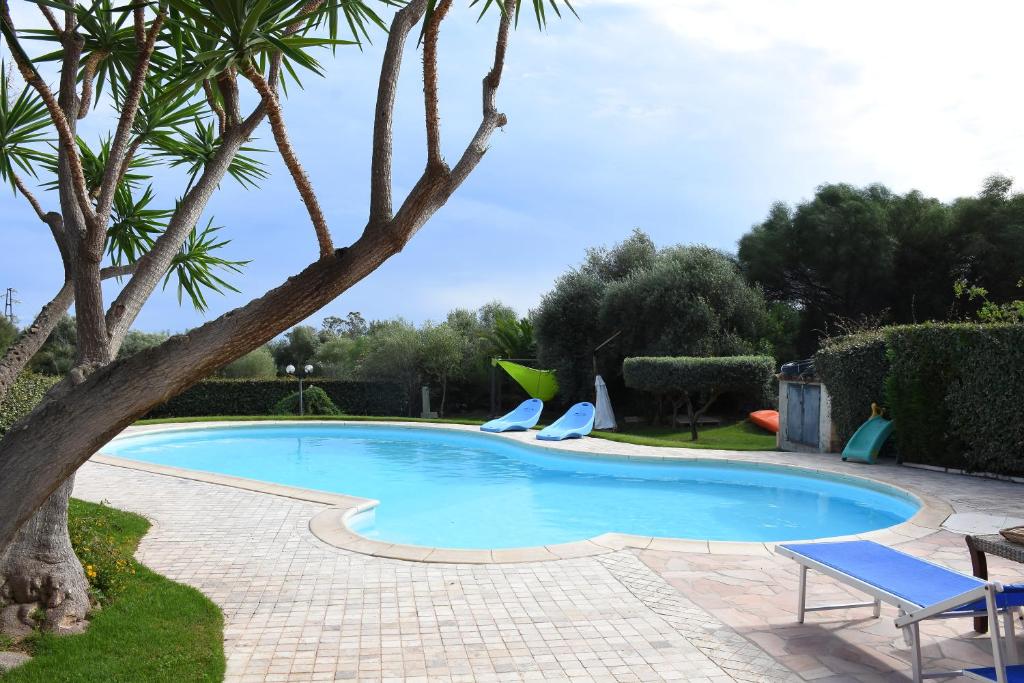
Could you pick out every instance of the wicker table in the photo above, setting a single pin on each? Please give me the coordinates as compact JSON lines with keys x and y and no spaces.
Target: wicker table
{"x":991,"y":544}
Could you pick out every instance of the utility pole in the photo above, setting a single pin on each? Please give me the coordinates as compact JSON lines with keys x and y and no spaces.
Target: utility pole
{"x":9,"y":302}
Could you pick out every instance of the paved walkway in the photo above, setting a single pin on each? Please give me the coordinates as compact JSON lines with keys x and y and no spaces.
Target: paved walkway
{"x":297,"y":609}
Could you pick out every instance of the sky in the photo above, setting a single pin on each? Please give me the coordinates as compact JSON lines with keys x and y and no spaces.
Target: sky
{"x":686,"y":118}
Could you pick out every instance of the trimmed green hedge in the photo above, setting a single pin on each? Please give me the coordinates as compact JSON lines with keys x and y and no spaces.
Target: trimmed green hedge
{"x":955,"y":392}
{"x":259,"y":396}
{"x":697,"y":382}
{"x":28,"y":389}
{"x":668,"y":375}
{"x":853,"y":370}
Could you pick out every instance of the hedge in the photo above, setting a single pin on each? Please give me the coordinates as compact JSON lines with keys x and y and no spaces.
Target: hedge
{"x":853,"y":370}
{"x":259,"y":396}
{"x":687,"y":380}
{"x":28,"y":389}
{"x":955,"y":392}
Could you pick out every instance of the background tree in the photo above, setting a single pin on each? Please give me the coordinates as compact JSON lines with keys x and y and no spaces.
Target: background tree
{"x":298,"y":347}
{"x":393,"y":353}
{"x":679,"y":300}
{"x":137,"y":340}
{"x":174,"y":73}
{"x":257,"y":364}
{"x":444,"y":350}
{"x":8,"y":333}
{"x":856,"y":254}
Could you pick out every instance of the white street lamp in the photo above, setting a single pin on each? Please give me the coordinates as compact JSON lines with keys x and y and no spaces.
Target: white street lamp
{"x":290,"y":369}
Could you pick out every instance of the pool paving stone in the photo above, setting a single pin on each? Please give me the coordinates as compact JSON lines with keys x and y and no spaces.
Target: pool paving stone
{"x":299,"y":609}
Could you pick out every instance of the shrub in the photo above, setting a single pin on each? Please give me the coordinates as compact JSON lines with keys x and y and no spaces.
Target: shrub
{"x":28,"y":389}
{"x":987,"y":399}
{"x":686,"y":380}
{"x":98,"y":536}
{"x":954,"y":391}
{"x":257,"y":364}
{"x":853,"y":370}
{"x":314,"y":402}
{"x":258,"y":397}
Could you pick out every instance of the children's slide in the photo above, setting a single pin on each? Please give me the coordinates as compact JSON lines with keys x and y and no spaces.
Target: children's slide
{"x":578,"y":421}
{"x":868,"y":439}
{"x":524,"y":417}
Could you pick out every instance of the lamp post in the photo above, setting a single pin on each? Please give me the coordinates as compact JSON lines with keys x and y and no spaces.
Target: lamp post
{"x":305,"y":372}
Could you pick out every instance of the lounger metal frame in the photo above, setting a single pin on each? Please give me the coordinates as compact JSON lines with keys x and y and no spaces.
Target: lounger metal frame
{"x":911,"y":614}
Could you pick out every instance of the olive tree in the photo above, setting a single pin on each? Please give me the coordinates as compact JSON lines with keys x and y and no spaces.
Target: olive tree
{"x":697,"y":382}
{"x":176,"y":74}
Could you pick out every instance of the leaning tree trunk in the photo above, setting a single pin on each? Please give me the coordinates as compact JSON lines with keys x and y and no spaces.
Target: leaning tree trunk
{"x":42,"y":583}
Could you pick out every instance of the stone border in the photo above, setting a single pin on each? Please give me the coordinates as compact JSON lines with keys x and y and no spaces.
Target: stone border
{"x":331,"y":525}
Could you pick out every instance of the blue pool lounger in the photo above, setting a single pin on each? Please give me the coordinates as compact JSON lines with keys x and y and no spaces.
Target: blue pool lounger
{"x":919,"y":589}
{"x":577,"y":422}
{"x":524,"y":417}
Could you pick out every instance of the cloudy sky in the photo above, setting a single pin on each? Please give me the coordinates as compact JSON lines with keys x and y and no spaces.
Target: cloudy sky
{"x":686,"y":118}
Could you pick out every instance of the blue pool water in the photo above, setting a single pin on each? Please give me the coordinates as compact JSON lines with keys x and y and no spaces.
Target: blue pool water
{"x":464,"y":490}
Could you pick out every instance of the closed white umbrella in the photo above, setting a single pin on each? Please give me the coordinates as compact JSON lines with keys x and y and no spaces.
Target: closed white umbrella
{"x":604,"y":417}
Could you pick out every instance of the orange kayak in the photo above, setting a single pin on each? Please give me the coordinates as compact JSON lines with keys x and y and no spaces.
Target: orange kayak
{"x":766,"y":419}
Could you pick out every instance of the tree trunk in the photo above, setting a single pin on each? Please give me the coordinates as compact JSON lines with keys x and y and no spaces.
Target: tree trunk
{"x":444,"y":395}
{"x":693,"y":418}
{"x":41,"y":580}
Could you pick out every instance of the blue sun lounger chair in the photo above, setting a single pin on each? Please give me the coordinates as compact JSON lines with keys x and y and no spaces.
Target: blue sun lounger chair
{"x":918,"y":588}
{"x":524,"y":417}
{"x":578,"y":421}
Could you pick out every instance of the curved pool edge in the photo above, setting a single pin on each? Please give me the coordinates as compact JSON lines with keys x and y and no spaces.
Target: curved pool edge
{"x":331,"y":525}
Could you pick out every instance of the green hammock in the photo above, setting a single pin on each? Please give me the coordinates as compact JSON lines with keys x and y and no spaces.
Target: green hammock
{"x":537,"y":383}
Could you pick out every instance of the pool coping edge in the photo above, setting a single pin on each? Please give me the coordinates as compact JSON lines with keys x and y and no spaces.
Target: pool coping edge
{"x":331,"y":524}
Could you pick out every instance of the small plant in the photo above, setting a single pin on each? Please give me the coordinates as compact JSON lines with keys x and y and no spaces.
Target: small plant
{"x":107,"y":561}
{"x":315,"y":401}
{"x":990,"y":311}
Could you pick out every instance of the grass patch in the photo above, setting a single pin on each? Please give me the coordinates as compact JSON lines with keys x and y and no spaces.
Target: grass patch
{"x":736,"y":436}
{"x":152,"y":629}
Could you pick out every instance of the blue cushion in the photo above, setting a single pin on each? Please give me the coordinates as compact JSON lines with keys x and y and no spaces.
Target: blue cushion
{"x":914,"y":580}
{"x":1014,"y":674}
{"x":1011,"y":596}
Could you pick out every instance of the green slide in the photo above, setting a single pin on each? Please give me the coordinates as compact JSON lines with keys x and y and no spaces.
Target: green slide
{"x":868,"y":439}
{"x":537,"y":383}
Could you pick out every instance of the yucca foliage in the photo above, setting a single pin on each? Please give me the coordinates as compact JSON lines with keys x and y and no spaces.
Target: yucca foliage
{"x":186,"y":86}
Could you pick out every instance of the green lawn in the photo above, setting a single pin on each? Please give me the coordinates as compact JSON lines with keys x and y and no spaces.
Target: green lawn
{"x":736,"y":436}
{"x":154,"y":630}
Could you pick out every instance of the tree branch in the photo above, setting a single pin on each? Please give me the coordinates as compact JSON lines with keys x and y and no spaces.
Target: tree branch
{"x":433,"y":188}
{"x":492,"y":118}
{"x":153,"y":265}
{"x":119,"y":145}
{"x":65,"y":135}
{"x":291,"y":159}
{"x":51,"y":20}
{"x":430,"y":105}
{"x":227,"y":84}
{"x":383,"y":142}
{"x":36,"y":206}
{"x":88,"y":76}
{"x":18,"y":355}
{"x":218,"y":111}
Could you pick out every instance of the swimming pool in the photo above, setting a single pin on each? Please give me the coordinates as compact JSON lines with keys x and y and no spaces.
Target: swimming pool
{"x":456,"y":489}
